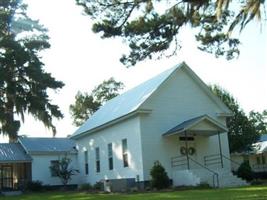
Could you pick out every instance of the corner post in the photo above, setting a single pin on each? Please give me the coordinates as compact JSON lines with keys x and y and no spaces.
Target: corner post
{"x":220,"y":148}
{"x":186,"y":153}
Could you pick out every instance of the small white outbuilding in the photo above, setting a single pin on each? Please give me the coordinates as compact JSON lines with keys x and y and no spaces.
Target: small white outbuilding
{"x":29,"y":159}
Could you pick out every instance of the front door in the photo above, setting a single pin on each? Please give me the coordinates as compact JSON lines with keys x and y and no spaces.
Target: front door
{"x":6,"y":177}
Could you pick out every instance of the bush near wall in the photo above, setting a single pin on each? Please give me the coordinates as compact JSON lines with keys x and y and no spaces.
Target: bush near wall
{"x":259,"y":175}
{"x":34,"y":186}
{"x":160,"y":179}
{"x":244,"y":171}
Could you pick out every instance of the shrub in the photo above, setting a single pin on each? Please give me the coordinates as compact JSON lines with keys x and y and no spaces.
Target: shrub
{"x":85,"y":187}
{"x":259,"y":175}
{"x":159,"y":176}
{"x":244,"y":171}
{"x":34,"y":186}
{"x":257,"y":182}
{"x":98,"y":186}
{"x":203,"y":185}
{"x":62,"y":170}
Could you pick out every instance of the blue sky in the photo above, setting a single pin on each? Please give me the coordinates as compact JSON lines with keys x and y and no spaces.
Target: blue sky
{"x":82,"y":60}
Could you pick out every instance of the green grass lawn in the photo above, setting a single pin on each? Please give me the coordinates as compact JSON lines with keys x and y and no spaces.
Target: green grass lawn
{"x":243,"y":193}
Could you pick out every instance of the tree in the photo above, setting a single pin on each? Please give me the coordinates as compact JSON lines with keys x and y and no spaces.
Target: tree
{"x":62,"y":170}
{"x":86,"y":104}
{"x":151,"y":27}
{"x":242,"y":130}
{"x":259,"y":120}
{"x":23,"y":81}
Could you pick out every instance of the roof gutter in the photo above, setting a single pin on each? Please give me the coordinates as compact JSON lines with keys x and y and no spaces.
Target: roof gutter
{"x":51,"y":152}
{"x":16,"y":161}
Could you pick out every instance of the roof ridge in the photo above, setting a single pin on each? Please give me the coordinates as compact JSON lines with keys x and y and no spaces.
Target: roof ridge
{"x":172,"y":69}
{"x":125,"y":103}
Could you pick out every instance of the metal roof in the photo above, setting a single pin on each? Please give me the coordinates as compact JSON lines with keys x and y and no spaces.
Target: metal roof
{"x":186,"y":125}
{"x":130,"y":101}
{"x":260,"y":146}
{"x":44,"y":145}
{"x":13,"y":152}
{"x":263,"y":138}
{"x":125,"y":103}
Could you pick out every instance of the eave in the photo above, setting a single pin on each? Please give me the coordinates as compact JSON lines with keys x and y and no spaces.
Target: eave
{"x":113,"y":122}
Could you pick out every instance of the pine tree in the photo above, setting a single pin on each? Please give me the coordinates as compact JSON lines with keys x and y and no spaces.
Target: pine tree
{"x":23,"y":81}
{"x":151,"y":28}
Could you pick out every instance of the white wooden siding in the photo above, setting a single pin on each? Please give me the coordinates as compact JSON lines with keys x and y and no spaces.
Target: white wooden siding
{"x":128,"y":129}
{"x":41,"y":170}
{"x":178,"y":99}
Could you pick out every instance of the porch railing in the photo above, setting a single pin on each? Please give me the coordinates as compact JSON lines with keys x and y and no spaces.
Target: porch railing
{"x":179,"y":161}
{"x":215,"y":159}
{"x":231,"y":160}
{"x":259,"y":167}
{"x":215,"y":175}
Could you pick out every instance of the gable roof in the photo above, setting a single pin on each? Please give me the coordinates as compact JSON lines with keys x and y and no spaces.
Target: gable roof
{"x":125,"y":103}
{"x":263,"y":138}
{"x":129,"y":102}
{"x":260,"y":146}
{"x":186,"y":125}
{"x":13,"y":152}
{"x":47,"y":145}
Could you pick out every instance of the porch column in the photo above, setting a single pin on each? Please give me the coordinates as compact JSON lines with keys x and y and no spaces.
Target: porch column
{"x":220,"y":148}
{"x":186,"y":152}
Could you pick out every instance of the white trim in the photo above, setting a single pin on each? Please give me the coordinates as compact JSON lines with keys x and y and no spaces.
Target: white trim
{"x":205,"y":117}
{"x":206,"y":89}
{"x":225,"y":114}
{"x":51,"y":152}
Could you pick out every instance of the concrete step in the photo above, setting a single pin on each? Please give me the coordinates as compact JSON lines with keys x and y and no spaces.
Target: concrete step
{"x":229,"y":180}
{"x":226,"y":178}
{"x":185,"y":178}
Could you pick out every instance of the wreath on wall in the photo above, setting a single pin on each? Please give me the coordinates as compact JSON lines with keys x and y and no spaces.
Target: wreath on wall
{"x":191,"y":151}
{"x":183,"y":151}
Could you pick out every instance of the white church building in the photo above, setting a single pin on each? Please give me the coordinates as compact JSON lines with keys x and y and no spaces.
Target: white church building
{"x":172,"y":118}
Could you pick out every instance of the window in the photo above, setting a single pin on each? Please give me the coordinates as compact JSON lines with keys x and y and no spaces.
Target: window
{"x":258,"y":160}
{"x":86,"y":166}
{"x":55,"y":165}
{"x":263,"y":160}
{"x":110,"y":157}
{"x":125,"y":153}
{"x":97,"y":159}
